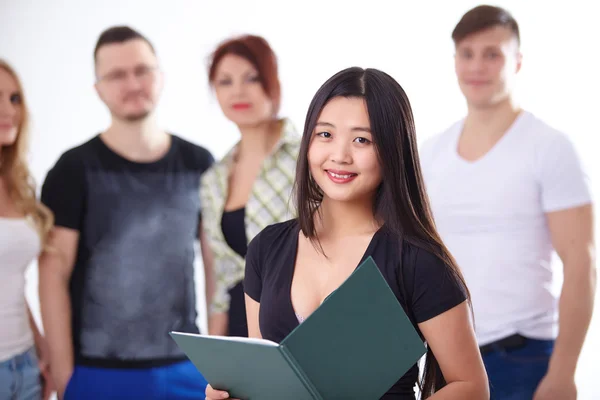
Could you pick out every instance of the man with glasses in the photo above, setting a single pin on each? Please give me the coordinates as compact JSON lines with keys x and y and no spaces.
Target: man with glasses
{"x":119,"y":275}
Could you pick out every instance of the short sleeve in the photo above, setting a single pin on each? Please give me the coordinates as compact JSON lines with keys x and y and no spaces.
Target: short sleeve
{"x":63,"y":192}
{"x":253,"y":273}
{"x":425,"y":154}
{"x":207,"y":160}
{"x":435,"y":288}
{"x":563,"y":181}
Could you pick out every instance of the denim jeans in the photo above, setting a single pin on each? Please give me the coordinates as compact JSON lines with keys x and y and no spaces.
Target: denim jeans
{"x":515,"y":374}
{"x":20,"y":377}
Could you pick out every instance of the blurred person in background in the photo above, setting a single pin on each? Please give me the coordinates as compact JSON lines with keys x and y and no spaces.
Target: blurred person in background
{"x":127,"y":218}
{"x":24,"y":227}
{"x":507,"y":191}
{"x":251,"y":186}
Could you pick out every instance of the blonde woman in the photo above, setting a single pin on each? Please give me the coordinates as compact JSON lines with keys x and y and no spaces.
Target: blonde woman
{"x":24,"y":227}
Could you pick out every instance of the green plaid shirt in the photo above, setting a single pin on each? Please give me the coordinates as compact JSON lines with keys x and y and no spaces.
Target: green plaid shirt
{"x":270,"y":202}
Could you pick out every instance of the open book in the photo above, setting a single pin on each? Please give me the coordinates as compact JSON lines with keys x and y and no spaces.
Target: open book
{"x":356,"y":345}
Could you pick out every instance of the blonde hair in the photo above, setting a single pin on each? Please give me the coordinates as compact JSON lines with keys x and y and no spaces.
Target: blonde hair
{"x":17,"y":177}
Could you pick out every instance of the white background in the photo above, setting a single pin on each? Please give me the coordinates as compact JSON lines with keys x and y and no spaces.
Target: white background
{"x":50,"y":42}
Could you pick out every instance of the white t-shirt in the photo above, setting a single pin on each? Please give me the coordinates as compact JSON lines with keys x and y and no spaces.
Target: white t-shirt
{"x":490,"y":214}
{"x":19,"y":245}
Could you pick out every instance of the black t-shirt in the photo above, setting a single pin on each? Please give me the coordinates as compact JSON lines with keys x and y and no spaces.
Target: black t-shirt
{"x":233,"y":226}
{"x":133,"y":279}
{"x":420,"y":280}
{"x":234,"y":232}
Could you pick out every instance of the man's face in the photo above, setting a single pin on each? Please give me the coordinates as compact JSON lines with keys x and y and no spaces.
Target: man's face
{"x":128,"y":79}
{"x":486,"y":65}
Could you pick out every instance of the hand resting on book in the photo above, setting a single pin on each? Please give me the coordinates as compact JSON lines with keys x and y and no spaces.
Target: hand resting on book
{"x":213,"y":394}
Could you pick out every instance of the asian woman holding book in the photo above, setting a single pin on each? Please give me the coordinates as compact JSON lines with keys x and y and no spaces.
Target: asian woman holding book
{"x":359,"y":193}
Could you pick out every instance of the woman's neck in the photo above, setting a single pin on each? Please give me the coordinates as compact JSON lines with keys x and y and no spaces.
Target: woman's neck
{"x":341,"y":218}
{"x":259,"y":139}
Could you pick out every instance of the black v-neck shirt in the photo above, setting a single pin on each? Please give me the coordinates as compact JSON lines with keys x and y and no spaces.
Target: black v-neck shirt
{"x":421,"y":282}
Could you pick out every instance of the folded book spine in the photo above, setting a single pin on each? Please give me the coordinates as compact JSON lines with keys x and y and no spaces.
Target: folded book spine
{"x":300,"y":373}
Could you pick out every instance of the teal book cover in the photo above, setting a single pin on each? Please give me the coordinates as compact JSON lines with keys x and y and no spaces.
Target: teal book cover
{"x":356,"y":345}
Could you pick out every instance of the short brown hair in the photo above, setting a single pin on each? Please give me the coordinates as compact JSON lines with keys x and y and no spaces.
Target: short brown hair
{"x":484,"y":17}
{"x":257,"y":51}
{"x":119,"y":34}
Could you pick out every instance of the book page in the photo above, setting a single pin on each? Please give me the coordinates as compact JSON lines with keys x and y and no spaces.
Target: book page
{"x":263,"y":342}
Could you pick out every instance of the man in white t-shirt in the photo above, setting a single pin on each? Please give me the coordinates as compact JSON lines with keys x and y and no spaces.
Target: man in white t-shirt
{"x":507,"y":191}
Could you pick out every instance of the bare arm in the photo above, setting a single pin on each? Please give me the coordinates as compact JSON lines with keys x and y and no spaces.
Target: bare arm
{"x":452,"y":340}
{"x":41,"y":347}
{"x":252,"y":310}
{"x":37,"y":336}
{"x":572,"y":234}
{"x":55,"y":269}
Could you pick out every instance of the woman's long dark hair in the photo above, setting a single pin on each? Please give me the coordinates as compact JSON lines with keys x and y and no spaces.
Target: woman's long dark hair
{"x":401,"y":201}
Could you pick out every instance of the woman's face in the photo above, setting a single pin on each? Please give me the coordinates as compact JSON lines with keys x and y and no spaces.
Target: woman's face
{"x":342,"y":157}
{"x":11,"y":109}
{"x":240,"y":93}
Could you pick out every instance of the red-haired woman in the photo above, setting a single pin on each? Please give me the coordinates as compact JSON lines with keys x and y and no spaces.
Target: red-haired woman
{"x":251,"y":186}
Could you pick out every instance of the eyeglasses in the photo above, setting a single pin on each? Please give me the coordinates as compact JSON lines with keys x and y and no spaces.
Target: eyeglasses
{"x":119,"y":76}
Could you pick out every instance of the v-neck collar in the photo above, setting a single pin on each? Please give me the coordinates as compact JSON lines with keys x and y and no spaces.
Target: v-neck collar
{"x":291,"y":263}
{"x":506,"y":137}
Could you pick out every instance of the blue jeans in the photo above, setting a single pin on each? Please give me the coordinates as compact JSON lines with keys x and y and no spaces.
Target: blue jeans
{"x":180,"y":381}
{"x":515,"y":374}
{"x":20,"y":377}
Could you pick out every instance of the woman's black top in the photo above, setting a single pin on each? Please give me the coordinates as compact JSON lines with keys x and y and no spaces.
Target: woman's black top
{"x":234,"y":231}
{"x":422,"y":283}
